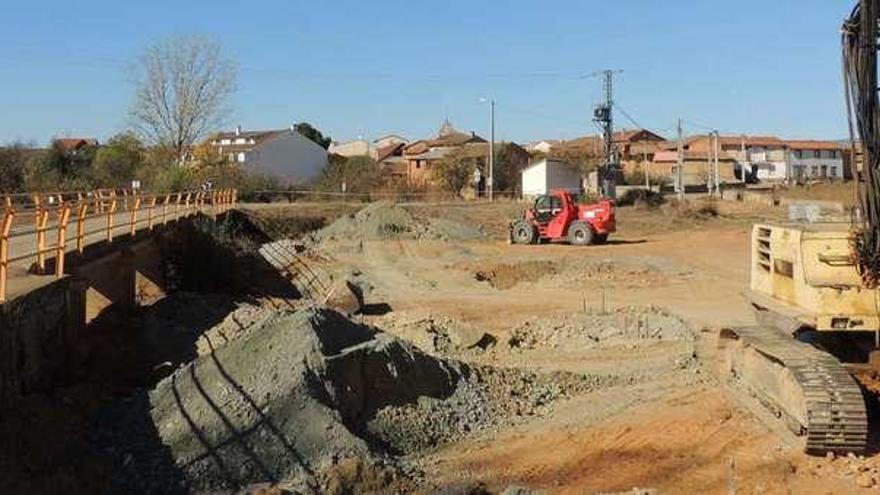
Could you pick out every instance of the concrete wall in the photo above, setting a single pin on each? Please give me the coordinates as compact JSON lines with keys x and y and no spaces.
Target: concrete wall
{"x":35,"y":333}
{"x":39,"y":330}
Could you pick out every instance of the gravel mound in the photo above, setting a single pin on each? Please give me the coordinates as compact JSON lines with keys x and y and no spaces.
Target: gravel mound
{"x":384,"y":221}
{"x":298,"y":397}
{"x":624,"y":325}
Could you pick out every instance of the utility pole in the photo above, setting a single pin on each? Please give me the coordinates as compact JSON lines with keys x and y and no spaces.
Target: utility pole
{"x":490,"y":179}
{"x":604,"y":116}
{"x":490,"y":182}
{"x":717,"y":151}
{"x":680,"y":174}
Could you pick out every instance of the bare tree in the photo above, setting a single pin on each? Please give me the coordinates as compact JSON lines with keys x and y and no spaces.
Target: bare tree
{"x":182,"y":89}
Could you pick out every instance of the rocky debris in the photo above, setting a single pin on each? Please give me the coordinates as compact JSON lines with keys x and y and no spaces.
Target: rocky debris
{"x":594,"y":330}
{"x":482,"y":397}
{"x":441,"y":335}
{"x":297,"y":398}
{"x":346,"y":297}
{"x":519,"y":490}
{"x":384,"y":221}
{"x":861,"y":471}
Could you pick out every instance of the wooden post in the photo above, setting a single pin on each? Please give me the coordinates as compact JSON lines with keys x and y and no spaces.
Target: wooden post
{"x":110,"y":212}
{"x":177,"y":206}
{"x":150,"y":213}
{"x":134,"y":211}
{"x":165,"y":209}
{"x":63,"y":218}
{"x":42,"y":220}
{"x":8,"y":217}
{"x":186,"y":205}
{"x":81,"y":226}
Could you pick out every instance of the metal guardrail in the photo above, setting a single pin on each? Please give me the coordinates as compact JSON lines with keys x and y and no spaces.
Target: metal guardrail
{"x":38,"y":215}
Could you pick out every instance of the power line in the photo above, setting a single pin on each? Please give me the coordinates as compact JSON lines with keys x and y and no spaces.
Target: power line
{"x":628,"y":117}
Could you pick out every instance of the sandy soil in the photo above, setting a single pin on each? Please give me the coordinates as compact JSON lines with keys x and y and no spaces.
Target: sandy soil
{"x":676,"y":429}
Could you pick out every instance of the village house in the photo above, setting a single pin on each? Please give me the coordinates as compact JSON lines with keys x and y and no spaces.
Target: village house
{"x":696,"y":172}
{"x":388,"y":140}
{"x":633,"y":146}
{"x":286,"y":155}
{"x":348,"y":149}
{"x":769,"y":158}
{"x":816,"y":160}
{"x":421,"y":157}
{"x":73,"y":144}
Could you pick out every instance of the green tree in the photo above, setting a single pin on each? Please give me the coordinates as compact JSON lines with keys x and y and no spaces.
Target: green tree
{"x":314,"y":134}
{"x":359,"y":173}
{"x":455,"y":171}
{"x":508,"y":166}
{"x":117,"y":163}
{"x":13,"y":159}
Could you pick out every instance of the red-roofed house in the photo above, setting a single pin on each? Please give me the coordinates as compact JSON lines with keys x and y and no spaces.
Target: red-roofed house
{"x":73,"y":144}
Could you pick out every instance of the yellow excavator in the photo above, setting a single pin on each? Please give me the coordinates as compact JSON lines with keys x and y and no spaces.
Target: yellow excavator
{"x":813,"y":357}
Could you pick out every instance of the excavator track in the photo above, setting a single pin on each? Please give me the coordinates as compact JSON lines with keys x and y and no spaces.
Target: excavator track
{"x":811,"y":388}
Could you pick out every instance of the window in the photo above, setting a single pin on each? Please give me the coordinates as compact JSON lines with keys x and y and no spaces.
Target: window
{"x":241,"y":157}
{"x":817,"y":154}
{"x":797,"y":154}
{"x":833,"y":171}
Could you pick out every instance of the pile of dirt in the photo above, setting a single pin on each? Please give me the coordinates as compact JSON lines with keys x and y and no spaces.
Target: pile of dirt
{"x":504,"y":276}
{"x":624,"y":325}
{"x":384,"y":221}
{"x":299,"y":394}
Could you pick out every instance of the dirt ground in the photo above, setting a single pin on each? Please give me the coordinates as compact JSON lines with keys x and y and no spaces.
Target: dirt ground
{"x":590,"y":369}
{"x":673,"y":428}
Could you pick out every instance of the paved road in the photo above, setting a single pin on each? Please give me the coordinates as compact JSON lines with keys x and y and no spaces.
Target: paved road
{"x":23,"y":241}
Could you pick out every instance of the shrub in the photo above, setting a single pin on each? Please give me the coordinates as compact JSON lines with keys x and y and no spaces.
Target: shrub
{"x":642,"y":198}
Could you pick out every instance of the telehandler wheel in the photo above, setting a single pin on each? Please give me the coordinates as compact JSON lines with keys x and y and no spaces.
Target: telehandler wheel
{"x":580,"y":234}
{"x":523,"y":232}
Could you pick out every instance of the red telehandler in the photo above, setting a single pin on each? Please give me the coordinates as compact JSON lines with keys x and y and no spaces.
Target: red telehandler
{"x":557,"y":217}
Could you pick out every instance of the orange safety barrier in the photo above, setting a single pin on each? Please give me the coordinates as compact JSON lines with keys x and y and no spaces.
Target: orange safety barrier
{"x":99,"y":215}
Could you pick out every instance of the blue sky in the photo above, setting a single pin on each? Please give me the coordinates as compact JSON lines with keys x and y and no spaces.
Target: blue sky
{"x":368,"y":68}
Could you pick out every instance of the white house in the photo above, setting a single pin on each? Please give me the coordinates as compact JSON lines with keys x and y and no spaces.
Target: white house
{"x":348,"y":149}
{"x":546,"y":175}
{"x":284,"y":154}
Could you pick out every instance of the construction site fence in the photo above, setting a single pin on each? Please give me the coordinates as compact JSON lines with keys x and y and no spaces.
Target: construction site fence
{"x":41,"y":226}
{"x":310,"y":195}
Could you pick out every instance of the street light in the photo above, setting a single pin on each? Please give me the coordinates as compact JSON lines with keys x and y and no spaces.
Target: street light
{"x":490,"y":180}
